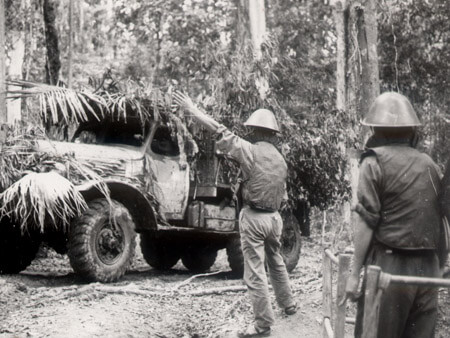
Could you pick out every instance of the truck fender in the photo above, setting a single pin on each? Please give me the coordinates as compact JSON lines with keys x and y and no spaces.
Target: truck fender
{"x":139,"y":206}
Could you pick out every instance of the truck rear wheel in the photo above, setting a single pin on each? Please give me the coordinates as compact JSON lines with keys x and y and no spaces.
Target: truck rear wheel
{"x":290,"y":242}
{"x":17,"y":250}
{"x":158,"y":253}
{"x":199,"y":259}
{"x":102,"y":241}
{"x":235,"y":257}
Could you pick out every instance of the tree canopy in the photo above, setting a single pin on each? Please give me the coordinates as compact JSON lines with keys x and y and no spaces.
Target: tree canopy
{"x":202,"y":48}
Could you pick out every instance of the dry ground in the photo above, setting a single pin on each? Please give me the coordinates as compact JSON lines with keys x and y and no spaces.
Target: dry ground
{"x":48,"y":300}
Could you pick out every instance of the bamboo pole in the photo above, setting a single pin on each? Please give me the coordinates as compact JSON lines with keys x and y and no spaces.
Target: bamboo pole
{"x":350,"y":320}
{"x":370,"y":322}
{"x":423,"y":281}
{"x":328,"y":331}
{"x":333,"y":258}
{"x":324,"y":223}
{"x":343,"y":270}
{"x":326,"y":294}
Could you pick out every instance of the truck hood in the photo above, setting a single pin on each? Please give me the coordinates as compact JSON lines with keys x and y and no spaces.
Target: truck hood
{"x":92,"y":152}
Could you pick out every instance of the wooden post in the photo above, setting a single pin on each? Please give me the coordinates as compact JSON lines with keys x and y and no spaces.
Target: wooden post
{"x":3,"y":115}
{"x":326,"y":292}
{"x":343,"y":270}
{"x":370,"y":321}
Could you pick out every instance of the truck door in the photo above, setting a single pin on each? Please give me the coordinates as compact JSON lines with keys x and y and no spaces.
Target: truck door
{"x":170,"y":173}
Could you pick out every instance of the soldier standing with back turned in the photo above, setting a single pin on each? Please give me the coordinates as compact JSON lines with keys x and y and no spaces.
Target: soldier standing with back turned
{"x":398,"y":219}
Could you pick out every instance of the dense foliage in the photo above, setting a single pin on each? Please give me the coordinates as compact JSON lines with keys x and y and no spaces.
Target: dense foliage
{"x":196,"y":46}
{"x":414,"y":53}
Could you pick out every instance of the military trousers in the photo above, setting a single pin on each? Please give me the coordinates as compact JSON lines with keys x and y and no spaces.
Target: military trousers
{"x":260,"y":239}
{"x":406,"y":311}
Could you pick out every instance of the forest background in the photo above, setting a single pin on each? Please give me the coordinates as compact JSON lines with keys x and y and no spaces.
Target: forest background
{"x":203,"y":48}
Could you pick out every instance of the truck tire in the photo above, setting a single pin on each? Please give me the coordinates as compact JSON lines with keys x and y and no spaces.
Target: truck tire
{"x":17,"y":251}
{"x":158,"y":253}
{"x":199,"y":259}
{"x":290,"y":241}
{"x":102,"y":241}
{"x":235,"y":257}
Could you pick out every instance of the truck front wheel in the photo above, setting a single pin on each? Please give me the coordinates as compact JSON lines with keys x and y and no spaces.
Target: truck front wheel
{"x":17,"y":250}
{"x":102,"y":241}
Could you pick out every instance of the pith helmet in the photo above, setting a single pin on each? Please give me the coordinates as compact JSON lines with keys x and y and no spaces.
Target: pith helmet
{"x":263,"y":118}
{"x":391,"y":110}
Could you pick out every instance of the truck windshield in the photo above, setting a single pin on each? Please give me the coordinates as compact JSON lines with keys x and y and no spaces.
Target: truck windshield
{"x":112,"y":132}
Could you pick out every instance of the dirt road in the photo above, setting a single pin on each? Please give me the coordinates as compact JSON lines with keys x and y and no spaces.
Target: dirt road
{"x":48,"y":300}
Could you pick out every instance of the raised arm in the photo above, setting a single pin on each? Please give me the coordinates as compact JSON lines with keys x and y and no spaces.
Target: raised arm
{"x":205,"y":120}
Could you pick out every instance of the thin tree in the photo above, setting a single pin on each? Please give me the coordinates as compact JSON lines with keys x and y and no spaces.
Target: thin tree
{"x":257,"y":16}
{"x":2,"y":64}
{"x":53,"y":64}
{"x":357,"y":76}
{"x":241,"y":24}
{"x":71,"y":34}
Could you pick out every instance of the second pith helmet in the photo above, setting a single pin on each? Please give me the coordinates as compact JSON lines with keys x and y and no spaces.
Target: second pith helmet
{"x":263,"y":118}
{"x":391,"y":110}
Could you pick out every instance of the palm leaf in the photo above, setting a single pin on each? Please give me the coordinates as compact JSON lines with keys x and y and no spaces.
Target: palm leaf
{"x":40,"y":200}
{"x":58,"y":103}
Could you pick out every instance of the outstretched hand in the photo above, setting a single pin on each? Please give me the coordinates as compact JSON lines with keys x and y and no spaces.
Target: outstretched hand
{"x":183,"y":101}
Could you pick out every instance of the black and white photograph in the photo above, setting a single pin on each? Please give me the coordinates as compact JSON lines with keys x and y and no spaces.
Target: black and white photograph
{"x":225,"y":168}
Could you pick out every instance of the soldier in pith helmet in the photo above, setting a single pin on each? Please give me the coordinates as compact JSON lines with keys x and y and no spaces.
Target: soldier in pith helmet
{"x":264,"y":172}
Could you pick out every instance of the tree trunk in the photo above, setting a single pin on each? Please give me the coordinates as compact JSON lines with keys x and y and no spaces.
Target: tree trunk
{"x":257,"y":15}
{"x":241,"y":24}
{"x":16,"y":54}
{"x":71,"y":35}
{"x":80,"y":35}
{"x":53,"y":64}
{"x":109,"y":45}
{"x":362,"y":60}
{"x":340,"y":21}
{"x":2,"y":64}
{"x":357,"y":77}
{"x":368,"y":36}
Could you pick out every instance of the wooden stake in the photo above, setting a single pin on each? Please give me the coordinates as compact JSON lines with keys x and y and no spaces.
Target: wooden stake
{"x":343,"y":271}
{"x":370,"y":321}
{"x":326,"y":293}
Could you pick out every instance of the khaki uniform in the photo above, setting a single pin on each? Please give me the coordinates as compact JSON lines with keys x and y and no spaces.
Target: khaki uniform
{"x":264,"y":174}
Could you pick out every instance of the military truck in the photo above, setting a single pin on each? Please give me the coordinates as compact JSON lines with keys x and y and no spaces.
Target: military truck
{"x":181,"y":207}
